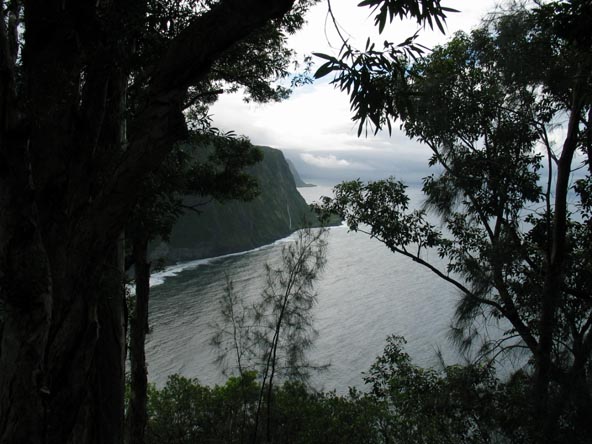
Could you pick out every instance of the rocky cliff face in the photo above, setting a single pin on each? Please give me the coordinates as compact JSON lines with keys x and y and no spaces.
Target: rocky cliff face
{"x":222,"y":228}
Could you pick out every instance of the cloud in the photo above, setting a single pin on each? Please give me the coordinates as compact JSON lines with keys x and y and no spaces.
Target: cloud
{"x":332,"y":162}
{"x":314,"y":126}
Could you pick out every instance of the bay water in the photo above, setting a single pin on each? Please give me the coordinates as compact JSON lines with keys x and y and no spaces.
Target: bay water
{"x":365,"y":294}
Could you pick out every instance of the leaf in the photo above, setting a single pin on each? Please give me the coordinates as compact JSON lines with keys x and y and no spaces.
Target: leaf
{"x":446,"y":9}
{"x":382,"y":22}
{"x":440,"y":25}
{"x":324,"y":56}
{"x":324,"y":69}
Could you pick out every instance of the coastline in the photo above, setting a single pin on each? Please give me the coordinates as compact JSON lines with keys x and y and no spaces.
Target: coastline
{"x":171,"y":270}
{"x":159,"y":277}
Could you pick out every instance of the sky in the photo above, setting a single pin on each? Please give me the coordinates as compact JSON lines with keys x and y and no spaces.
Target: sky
{"x":314,"y":128}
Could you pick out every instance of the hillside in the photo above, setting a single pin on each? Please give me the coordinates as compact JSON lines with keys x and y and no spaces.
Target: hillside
{"x":297,"y":179}
{"x":222,"y":228}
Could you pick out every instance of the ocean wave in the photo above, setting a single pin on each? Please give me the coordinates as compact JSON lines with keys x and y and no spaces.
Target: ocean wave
{"x":159,"y":277}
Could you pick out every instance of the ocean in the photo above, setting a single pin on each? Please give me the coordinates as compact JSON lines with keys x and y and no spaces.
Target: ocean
{"x":365,"y":294}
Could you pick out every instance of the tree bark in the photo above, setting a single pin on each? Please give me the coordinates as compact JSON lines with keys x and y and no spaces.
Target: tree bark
{"x":26,"y":291}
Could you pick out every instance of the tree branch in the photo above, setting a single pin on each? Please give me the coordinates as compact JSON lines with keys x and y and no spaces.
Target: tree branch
{"x":157,"y":127}
{"x":195,"y":207}
{"x":335,"y":24}
{"x":200,"y":96}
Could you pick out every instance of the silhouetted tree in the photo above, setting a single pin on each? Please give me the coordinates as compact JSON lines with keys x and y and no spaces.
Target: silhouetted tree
{"x":70,"y":173}
{"x":216,"y":173}
{"x":485,"y":104}
{"x":272,"y":335}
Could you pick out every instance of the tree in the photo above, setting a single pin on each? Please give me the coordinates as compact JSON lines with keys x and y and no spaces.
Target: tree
{"x":457,"y":404}
{"x":406,"y":404}
{"x":485,"y":104}
{"x":273,"y":334}
{"x":215,"y":173}
{"x":70,"y":173}
{"x":254,"y":64}
{"x":285,"y":312}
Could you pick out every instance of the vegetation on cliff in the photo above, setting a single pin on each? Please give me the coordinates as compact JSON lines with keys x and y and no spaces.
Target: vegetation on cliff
{"x":220,"y":228}
{"x":404,"y":404}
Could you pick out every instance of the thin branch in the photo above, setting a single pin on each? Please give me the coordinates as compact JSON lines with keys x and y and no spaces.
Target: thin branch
{"x":335,"y":24}
{"x":498,"y":344}
{"x":195,"y":207}
{"x":439,"y":273}
{"x":508,"y":309}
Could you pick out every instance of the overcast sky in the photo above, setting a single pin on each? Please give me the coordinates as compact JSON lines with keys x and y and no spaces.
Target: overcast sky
{"x":314,"y":126}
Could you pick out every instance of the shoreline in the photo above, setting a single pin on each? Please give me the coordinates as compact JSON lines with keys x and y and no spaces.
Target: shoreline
{"x":159,"y":277}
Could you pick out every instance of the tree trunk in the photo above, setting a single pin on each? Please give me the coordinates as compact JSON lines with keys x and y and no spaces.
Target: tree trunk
{"x":26,"y":292}
{"x":26,"y":287}
{"x":66,"y":188}
{"x":137,"y":415}
{"x":554,"y":278}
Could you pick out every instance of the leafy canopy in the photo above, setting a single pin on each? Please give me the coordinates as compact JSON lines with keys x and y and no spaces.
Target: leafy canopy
{"x":487,"y":104}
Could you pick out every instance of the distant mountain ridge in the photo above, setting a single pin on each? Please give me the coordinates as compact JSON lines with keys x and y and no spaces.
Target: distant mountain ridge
{"x":299,"y":182}
{"x":233,"y":226}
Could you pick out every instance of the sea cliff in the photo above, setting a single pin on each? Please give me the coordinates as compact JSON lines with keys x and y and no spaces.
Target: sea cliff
{"x":232,"y":226}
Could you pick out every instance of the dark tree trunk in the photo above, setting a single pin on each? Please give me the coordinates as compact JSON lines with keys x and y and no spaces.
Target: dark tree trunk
{"x":25,"y":275}
{"x":547,"y":427}
{"x":86,"y":360}
{"x":137,"y":415}
{"x":66,"y":187}
{"x":26,"y":292}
